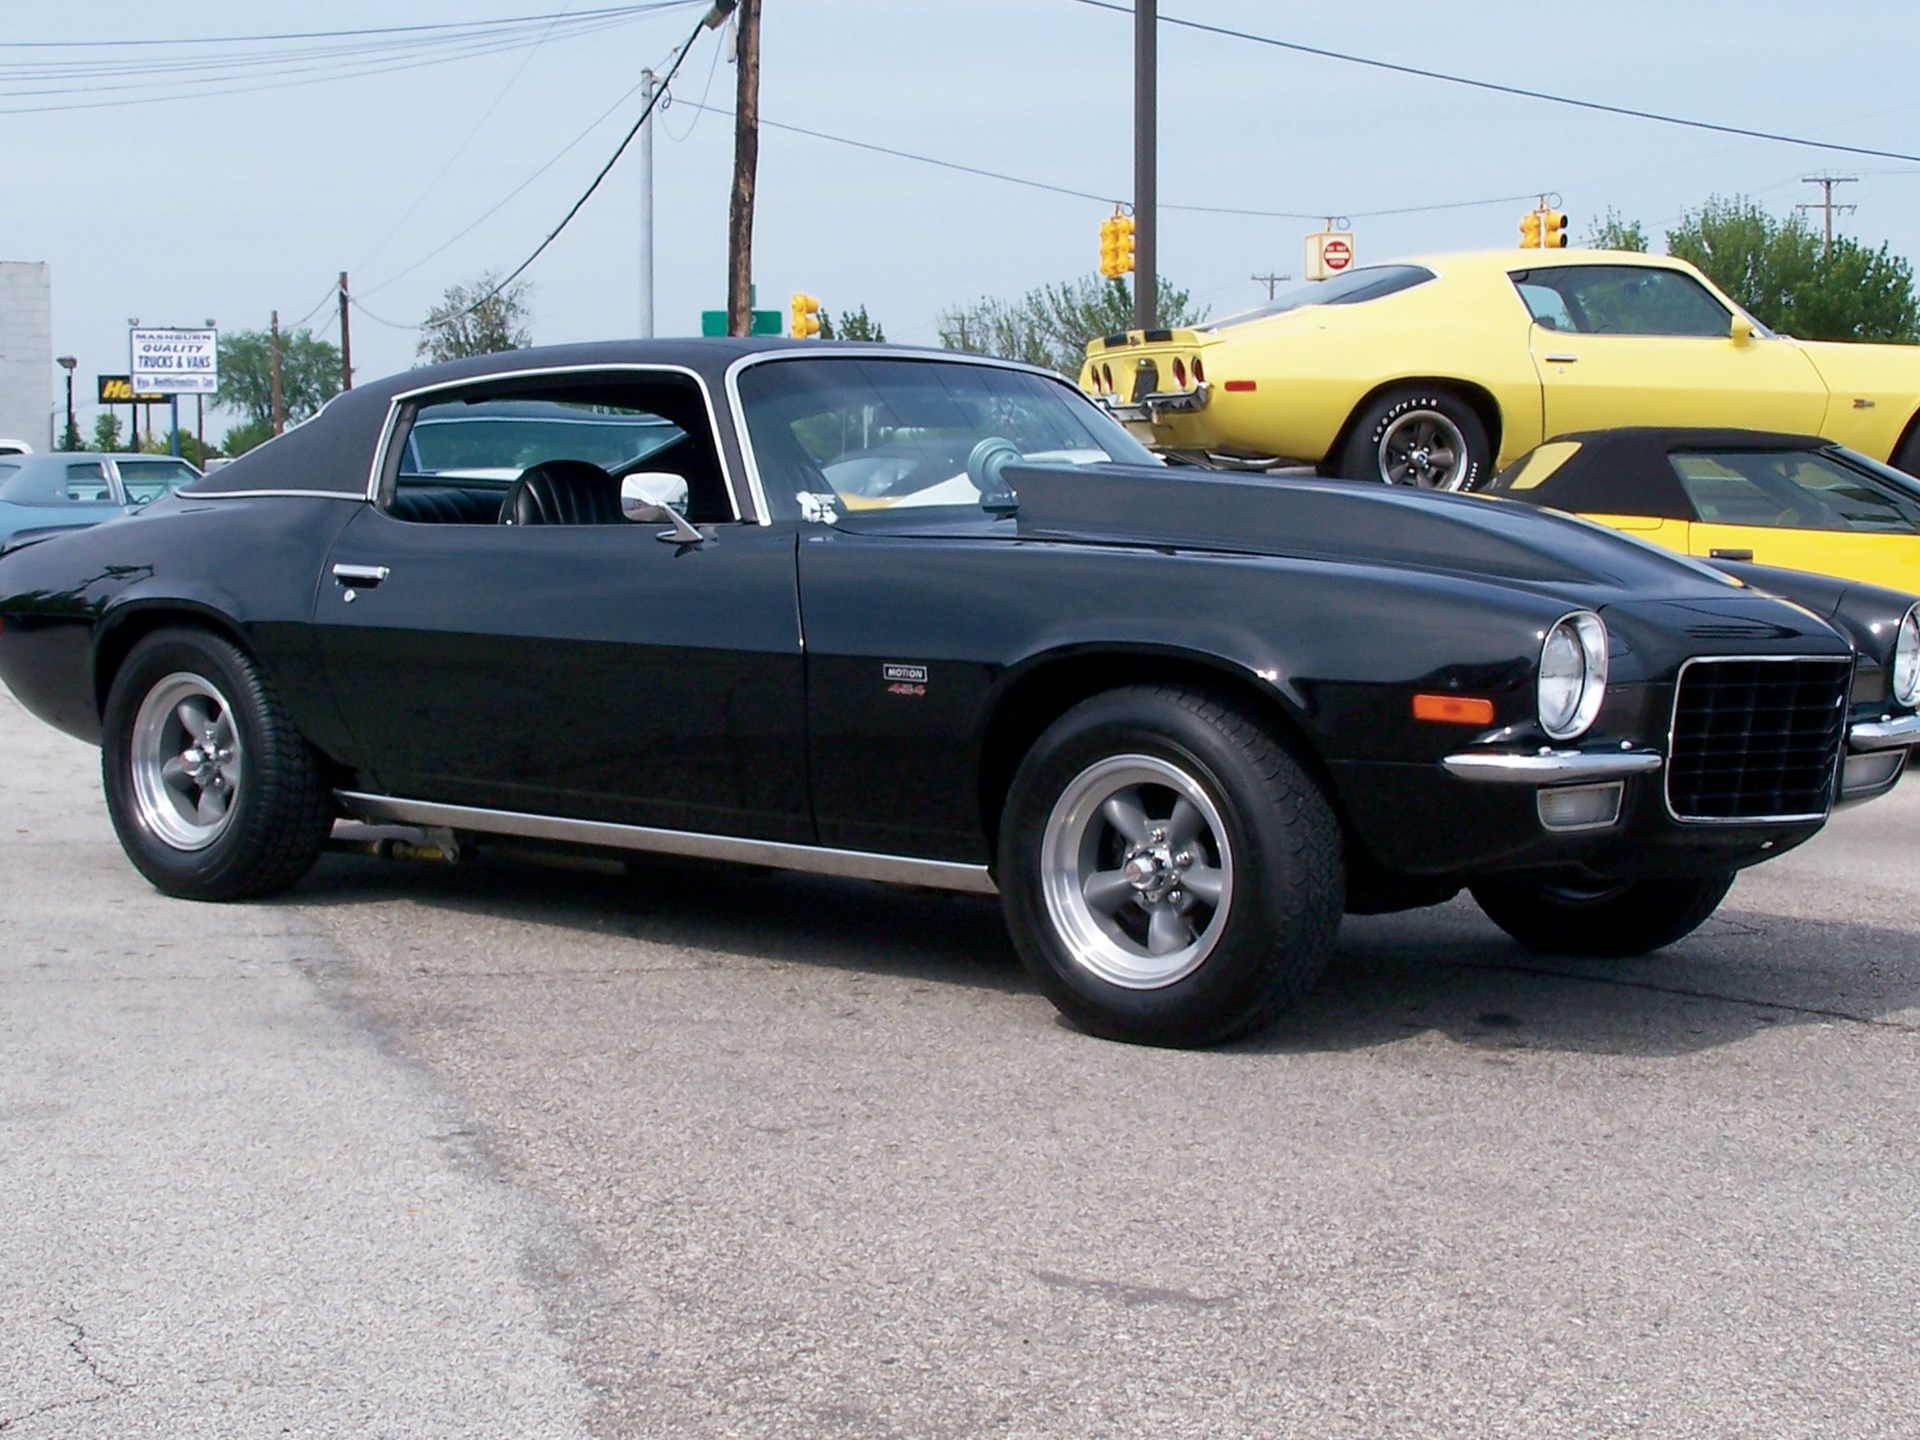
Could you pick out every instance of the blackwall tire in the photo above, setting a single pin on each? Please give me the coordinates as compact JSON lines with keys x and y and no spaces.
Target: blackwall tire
{"x":1171,"y":873}
{"x":213,"y":793}
{"x":1421,"y":436}
{"x":1614,"y":922}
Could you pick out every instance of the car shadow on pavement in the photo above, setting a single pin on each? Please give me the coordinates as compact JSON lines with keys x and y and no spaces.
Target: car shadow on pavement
{"x":1444,"y":970}
{"x":1449,"y":971}
{"x":728,"y":910}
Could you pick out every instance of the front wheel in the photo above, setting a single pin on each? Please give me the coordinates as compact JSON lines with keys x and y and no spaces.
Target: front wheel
{"x":1420,"y":436}
{"x":1171,"y":873}
{"x":214,"y":794}
{"x":1598,"y":920}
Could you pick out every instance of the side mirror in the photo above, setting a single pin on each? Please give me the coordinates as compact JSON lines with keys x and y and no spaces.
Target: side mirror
{"x":654,"y":497}
{"x":651,"y":496}
{"x":1741,"y":330}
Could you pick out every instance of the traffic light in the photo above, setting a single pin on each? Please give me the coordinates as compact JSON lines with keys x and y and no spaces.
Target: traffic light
{"x":1116,"y":245}
{"x":1530,"y":230}
{"x":806,"y":316}
{"x":1553,"y":229}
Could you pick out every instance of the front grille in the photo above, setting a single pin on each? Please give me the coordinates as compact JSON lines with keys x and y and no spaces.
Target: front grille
{"x":1756,"y":739}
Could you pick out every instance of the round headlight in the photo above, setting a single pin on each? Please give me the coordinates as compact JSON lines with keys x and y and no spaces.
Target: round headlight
{"x":1573,"y":674}
{"x":1906,"y":660}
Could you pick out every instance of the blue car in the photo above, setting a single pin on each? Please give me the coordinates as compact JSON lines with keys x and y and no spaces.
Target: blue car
{"x":68,"y":491}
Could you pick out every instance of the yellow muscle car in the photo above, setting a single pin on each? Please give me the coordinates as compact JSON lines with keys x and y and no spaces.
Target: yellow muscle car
{"x":1793,"y":501}
{"x":1438,"y":371}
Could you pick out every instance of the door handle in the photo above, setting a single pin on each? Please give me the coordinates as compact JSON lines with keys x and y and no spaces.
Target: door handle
{"x":368,"y":575}
{"x":1559,"y":359}
{"x":1730,"y":554}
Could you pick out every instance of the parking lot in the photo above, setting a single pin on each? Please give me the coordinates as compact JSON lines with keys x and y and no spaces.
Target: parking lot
{"x":422,"y":1151}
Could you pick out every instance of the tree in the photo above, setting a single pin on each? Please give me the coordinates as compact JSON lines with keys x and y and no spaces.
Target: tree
{"x":476,"y":320}
{"x":1615,"y":232}
{"x":1052,"y":325}
{"x":1782,"y":273}
{"x":853,"y":325}
{"x":106,"y":431}
{"x":244,"y":437}
{"x":309,"y":374}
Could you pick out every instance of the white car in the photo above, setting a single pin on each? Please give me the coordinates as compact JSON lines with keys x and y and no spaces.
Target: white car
{"x":14,"y":447}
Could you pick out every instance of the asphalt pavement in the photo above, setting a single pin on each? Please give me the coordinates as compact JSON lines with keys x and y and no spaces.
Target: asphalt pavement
{"x":500,"y":1150}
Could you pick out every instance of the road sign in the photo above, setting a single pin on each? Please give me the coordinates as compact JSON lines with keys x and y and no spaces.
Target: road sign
{"x":1329,"y":252}
{"x":765,"y":322}
{"x":118,"y":390}
{"x":175,"y":362}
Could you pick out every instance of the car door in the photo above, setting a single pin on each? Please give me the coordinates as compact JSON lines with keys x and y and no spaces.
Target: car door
{"x":1802,"y":510}
{"x":589,"y":671}
{"x":1646,"y":345}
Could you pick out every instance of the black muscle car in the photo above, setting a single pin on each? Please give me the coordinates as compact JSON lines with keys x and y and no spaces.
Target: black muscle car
{"x":920,"y":617}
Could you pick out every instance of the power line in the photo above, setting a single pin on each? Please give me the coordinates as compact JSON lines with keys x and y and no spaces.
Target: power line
{"x":653,"y":102}
{"x":504,"y":20}
{"x":1515,"y":90}
{"x":502,"y":202}
{"x":1109,"y":199}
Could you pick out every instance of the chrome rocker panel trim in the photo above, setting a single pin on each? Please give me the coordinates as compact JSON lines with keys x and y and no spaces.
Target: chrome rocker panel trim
{"x":813,"y":859}
{"x":1884,"y":734}
{"x":1550,"y":767}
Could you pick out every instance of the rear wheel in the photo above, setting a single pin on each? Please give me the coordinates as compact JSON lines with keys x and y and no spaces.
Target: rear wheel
{"x":214,"y":794}
{"x":1170,"y":872}
{"x":1421,"y":436}
{"x":1599,"y":920}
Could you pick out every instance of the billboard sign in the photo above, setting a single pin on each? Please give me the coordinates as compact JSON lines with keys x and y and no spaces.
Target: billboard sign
{"x":175,"y":362}
{"x":118,"y":390}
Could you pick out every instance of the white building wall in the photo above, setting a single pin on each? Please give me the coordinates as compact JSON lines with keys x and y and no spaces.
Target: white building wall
{"x":26,"y":352}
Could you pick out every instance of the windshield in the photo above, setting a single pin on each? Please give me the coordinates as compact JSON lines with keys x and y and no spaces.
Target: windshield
{"x":1356,"y":287}
{"x":147,"y":480}
{"x":466,"y":439}
{"x":860,"y":434}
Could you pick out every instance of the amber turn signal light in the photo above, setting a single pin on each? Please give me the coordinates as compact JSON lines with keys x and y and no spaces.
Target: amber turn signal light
{"x":1453,"y":710}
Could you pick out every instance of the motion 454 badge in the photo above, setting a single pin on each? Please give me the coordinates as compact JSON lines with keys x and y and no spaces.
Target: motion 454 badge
{"x":905,"y":679}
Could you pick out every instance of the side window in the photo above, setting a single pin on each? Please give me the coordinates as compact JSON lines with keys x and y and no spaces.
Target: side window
{"x":1546,"y":306}
{"x":554,"y":451}
{"x":1791,"y":489}
{"x":87,"y":483}
{"x":1623,"y":300}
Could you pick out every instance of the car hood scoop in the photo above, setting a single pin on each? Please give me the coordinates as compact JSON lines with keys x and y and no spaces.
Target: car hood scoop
{"x":1348,"y":521}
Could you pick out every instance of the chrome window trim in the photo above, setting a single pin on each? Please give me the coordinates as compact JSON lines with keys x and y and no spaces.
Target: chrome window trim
{"x":1673,"y":722}
{"x":627,"y":367}
{"x":354,"y":495}
{"x":756,"y":487}
{"x":813,"y":859}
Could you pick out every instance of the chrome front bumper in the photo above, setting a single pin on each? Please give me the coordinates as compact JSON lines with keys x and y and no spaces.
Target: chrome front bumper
{"x":1550,"y":767}
{"x":1889,"y":734}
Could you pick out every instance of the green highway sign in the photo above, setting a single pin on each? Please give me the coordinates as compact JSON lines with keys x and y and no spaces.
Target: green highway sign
{"x":765,"y":322}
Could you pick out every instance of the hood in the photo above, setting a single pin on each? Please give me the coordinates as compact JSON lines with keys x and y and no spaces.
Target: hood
{"x":1349,"y":522}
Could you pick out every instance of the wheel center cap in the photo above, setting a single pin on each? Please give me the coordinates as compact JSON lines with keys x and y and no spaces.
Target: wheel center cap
{"x":1142,"y":870}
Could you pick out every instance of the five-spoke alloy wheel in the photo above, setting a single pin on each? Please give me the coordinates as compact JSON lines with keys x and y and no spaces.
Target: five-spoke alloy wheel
{"x":1428,"y":438}
{"x":1171,"y":872}
{"x":213,"y":792}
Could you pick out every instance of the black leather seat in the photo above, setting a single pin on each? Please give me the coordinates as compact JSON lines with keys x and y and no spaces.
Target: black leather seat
{"x":563,"y":492}
{"x":443,"y":505}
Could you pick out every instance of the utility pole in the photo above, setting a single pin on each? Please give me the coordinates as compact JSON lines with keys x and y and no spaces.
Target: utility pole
{"x":647,"y":87}
{"x":1826,"y":184}
{"x":279,"y":409}
{"x":346,"y":338}
{"x":1270,"y":281}
{"x":746,"y":160}
{"x":1146,"y":285}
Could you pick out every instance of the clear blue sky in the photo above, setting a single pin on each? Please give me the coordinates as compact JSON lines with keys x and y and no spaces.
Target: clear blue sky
{"x":231,"y":205}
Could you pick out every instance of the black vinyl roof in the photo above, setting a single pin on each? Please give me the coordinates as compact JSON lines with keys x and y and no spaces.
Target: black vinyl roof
{"x":1626,"y":471}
